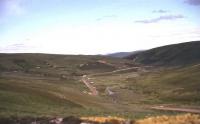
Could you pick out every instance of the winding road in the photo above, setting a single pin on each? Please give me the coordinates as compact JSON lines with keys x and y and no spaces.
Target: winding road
{"x":86,"y":81}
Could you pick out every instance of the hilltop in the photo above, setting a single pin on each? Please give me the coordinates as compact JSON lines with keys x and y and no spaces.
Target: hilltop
{"x":170,"y":55}
{"x":123,"y":54}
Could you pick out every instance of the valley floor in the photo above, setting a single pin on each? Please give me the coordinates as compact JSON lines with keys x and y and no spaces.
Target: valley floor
{"x":82,"y":86}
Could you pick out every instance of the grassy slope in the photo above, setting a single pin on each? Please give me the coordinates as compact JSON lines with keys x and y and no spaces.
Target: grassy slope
{"x":42,"y":84}
{"x":180,"y":85}
{"x":54,"y":89}
{"x":157,"y":86}
{"x":170,"y":55}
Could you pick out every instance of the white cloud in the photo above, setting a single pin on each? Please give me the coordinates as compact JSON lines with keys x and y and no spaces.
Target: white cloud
{"x":107,"y":38}
{"x":160,"y":18}
{"x":103,"y":38}
{"x":17,"y":48}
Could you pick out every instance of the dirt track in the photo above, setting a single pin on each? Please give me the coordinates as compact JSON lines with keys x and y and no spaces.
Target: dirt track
{"x":117,"y":71}
{"x":190,"y":110}
{"x":86,"y":81}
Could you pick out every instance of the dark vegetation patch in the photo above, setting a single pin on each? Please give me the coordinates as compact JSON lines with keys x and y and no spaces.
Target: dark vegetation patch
{"x":97,"y":66}
{"x":170,"y":55}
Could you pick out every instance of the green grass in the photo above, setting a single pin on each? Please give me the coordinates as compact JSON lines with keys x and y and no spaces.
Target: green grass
{"x":35,"y":98}
{"x":158,"y":86}
{"x":49,"y":85}
{"x":179,"y":85}
{"x":44,"y":98}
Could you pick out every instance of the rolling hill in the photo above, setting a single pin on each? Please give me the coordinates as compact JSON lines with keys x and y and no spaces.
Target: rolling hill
{"x":50,"y":85}
{"x":170,"y":55}
{"x":123,"y":54}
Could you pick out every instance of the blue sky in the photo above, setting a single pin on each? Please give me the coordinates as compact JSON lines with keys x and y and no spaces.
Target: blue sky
{"x":95,"y":26}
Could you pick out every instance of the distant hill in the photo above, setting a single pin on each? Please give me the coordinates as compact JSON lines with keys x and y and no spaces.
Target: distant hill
{"x":170,"y":55}
{"x":122,"y":54}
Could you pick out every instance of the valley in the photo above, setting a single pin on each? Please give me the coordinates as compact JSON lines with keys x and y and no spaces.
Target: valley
{"x":48,"y":85}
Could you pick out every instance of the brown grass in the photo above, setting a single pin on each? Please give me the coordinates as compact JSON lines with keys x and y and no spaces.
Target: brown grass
{"x":104,"y":119}
{"x":178,"y":119}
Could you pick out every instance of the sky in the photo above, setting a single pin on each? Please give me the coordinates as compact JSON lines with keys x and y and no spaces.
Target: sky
{"x":95,"y":26}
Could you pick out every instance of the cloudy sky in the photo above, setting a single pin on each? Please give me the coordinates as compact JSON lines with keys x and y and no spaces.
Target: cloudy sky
{"x":95,"y":26}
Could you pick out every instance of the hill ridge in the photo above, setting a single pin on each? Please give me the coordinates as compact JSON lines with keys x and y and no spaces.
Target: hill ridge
{"x":170,"y":55}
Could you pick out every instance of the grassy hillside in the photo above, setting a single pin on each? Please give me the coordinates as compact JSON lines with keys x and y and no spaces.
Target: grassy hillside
{"x":62,"y":63}
{"x":51,"y":85}
{"x":177,"y":85}
{"x":170,"y":55}
{"x":154,"y":86}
